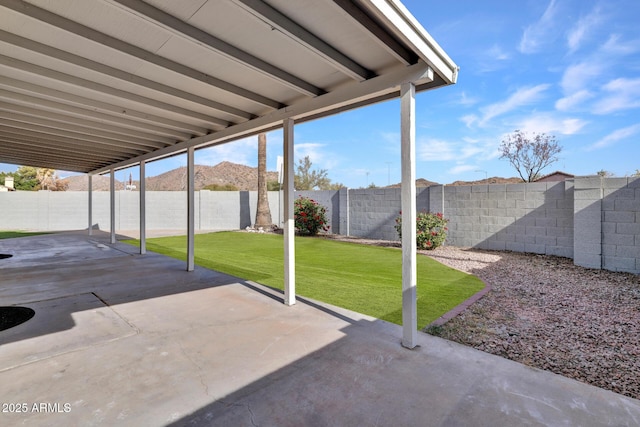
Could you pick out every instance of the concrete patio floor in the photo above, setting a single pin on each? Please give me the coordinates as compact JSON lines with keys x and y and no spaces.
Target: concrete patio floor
{"x":124,"y":339}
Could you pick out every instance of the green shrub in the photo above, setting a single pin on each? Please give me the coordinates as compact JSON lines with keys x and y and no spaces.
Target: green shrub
{"x":309,"y":216}
{"x":220,"y":187}
{"x":431,"y":229}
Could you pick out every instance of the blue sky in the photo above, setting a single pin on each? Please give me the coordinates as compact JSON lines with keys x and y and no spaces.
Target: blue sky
{"x":569,"y":68}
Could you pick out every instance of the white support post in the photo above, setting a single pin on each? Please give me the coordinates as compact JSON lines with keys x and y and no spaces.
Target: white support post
{"x":289,"y":227}
{"x":112,"y":204}
{"x":191,"y":218}
{"x":408,"y":149}
{"x":90,"y":206}
{"x":143,"y":209}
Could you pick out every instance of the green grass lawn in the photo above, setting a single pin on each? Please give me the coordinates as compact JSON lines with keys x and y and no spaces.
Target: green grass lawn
{"x":12,"y":234}
{"x":362,"y":278}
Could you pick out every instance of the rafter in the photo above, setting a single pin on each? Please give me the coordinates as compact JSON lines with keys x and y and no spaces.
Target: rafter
{"x":45,"y":97}
{"x":287,"y":26}
{"x":80,"y":130}
{"x":93,"y":112}
{"x":94,"y":124}
{"x":377,"y":32}
{"x":87,"y":33}
{"x":183,"y":29}
{"x":119,"y":74}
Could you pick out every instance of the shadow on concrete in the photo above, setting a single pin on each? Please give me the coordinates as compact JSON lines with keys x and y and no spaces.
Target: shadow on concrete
{"x":47,"y":273}
{"x":367,"y":378}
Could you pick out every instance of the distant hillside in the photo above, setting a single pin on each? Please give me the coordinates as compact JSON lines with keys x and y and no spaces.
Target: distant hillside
{"x":226,"y":173}
{"x":492,"y":180}
{"x":99,"y":183}
{"x":420,"y":182}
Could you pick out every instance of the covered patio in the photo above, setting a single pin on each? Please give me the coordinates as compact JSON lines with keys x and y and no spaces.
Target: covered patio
{"x":124,"y":339}
{"x":97,"y":86}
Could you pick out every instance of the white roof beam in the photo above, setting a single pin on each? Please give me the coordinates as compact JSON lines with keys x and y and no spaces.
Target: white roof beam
{"x":160,"y":123}
{"x":108,"y":90}
{"x":62,"y":136}
{"x":83,"y":122}
{"x":318,"y":107}
{"x":377,"y":32}
{"x":83,"y":130}
{"x":415,"y":36}
{"x":87,"y":33}
{"x":79,"y":151}
{"x":183,"y":29}
{"x":104,"y":117}
{"x":282,"y":23}
{"x":18,"y":148}
{"x":49,"y":162}
{"x":88,"y":64}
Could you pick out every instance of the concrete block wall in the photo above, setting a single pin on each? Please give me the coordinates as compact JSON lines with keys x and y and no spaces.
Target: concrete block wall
{"x":372,"y":212}
{"x":587,"y":222}
{"x":166,"y":210}
{"x":534,"y":217}
{"x":595,"y":221}
{"x":621,"y":224}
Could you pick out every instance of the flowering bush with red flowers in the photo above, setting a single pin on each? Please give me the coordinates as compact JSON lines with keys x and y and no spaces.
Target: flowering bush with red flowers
{"x":431,"y":229}
{"x":309,"y":216}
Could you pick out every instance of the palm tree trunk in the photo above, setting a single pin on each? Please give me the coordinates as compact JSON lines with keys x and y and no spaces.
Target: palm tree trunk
{"x":263,"y":213}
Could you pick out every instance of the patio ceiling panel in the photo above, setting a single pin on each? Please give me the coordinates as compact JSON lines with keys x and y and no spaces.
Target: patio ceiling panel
{"x":86,"y":85}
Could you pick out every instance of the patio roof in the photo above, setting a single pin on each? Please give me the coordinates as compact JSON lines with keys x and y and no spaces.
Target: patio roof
{"x":94,"y":86}
{"x":88,"y":85}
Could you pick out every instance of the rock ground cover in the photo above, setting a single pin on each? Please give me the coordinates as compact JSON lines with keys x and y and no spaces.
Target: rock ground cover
{"x":547,"y":313}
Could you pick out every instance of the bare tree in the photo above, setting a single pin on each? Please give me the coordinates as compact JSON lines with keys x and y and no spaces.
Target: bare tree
{"x":263,"y":213}
{"x":529,"y":155}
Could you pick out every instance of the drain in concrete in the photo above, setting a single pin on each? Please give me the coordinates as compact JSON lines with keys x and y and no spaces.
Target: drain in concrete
{"x":5,"y":256}
{"x":14,"y":316}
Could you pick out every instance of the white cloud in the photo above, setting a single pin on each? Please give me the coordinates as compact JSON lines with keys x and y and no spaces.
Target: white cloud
{"x":580,"y":31}
{"x":461,"y":168}
{"x":578,"y":76}
{"x":521,"y":97}
{"x":433,"y":150}
{"x":243,"y":151}
{"x":469,"y":119}
{"x":615,"y":136}
{"x":623,"y":94}
{"x":314,"y":150}
{"x":466,"y":100}
{"x":613,"y":46}
{"x":551,"y":124}
{"x":392,"y":138}
{"x":537,"y":34}
{"x":439,"y":150}
{"x":497,"y":53}
{"x":574,"y":100}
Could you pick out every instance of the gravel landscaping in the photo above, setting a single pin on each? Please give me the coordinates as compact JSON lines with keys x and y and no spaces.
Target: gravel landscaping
{"x":547,"y":313}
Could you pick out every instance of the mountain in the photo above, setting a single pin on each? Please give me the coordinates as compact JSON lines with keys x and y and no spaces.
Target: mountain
{"x":99,"y":183}
{"x":225,"y":173}
{"x":420,"y":182}
{"x":492,"y":180}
